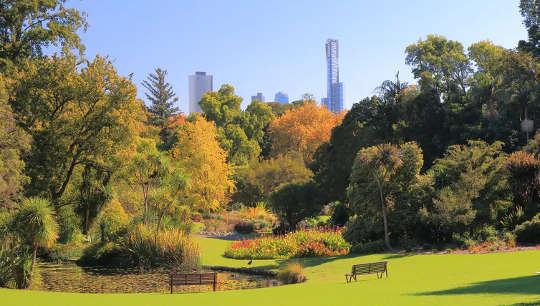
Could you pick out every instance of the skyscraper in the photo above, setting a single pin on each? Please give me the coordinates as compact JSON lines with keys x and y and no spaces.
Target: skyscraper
{"x":199,"y":84}
{"x":259,"y":97}
{"x":282,"y":97}
{"x":334,"y":96}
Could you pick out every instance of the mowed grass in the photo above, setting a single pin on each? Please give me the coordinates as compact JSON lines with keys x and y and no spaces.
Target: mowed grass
{"x":487,"y":279}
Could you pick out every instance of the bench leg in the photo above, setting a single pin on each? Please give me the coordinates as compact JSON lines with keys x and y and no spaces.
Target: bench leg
{"x":386,"y":273}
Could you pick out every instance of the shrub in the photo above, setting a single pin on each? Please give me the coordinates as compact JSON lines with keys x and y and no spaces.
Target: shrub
{"x":170,"y":248}
{"x":529,"y":231}
{"x":292,"y":273}
{"x":112,"y":220}
{"x":107,"y":255}
{"x":294,"y":202}
{"x":244,"y":227}
{"x":340,"y":214}
{"x":362,"y":229}
{"x":308,"y":243}
{"x":15,"y":263}
{"x":371,"y":247}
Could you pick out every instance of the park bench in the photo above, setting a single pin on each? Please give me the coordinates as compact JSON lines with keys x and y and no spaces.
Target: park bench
{"x":204,"y":278}
{"x":368,"y":268}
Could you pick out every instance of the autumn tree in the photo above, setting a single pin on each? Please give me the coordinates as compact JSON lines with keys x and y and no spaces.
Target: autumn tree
{"x":205,"y":162}
{"x":77,"y":114}
{"x":302,"y":130}
{"x":30,"y":26}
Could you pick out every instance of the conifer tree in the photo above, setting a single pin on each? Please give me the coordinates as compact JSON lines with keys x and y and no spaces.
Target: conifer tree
{"x":162,"y":97}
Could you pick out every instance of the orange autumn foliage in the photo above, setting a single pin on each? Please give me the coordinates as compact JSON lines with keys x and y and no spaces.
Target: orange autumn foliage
{"x":303,"y":130}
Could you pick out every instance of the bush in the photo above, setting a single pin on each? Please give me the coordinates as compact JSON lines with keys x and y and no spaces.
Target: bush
{"x":112,"y":221}
{"x":292,"y":273}
{"x":15,"y":263}
{"x":340,"y":214}
{"x":244,"y":227}
{"x":170,"y":248}
{"x":371,"y":247}
{"x":363,"y":229}
{"x":107,"y":255}
{"x":308,"y":243}
{"x":529,"y":231}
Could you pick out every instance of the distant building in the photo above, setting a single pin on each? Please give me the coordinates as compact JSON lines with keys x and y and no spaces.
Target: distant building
{"x":282,"y":97}
{"x":334,"y":97}
{"x":259,"y":97}
{"x":199,"y":84}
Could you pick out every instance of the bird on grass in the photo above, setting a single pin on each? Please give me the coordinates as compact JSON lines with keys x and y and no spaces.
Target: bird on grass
{"x":249,"y":263}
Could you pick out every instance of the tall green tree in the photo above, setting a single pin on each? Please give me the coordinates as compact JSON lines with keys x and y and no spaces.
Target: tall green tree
{"x":77,"y":115}
{"x":13,"y":142}
{"x":29,"y":26}
{"x":162,"y":98}
{"x":223,"y":108}
{"x":530,"y":10}
{"x":380,"y":173}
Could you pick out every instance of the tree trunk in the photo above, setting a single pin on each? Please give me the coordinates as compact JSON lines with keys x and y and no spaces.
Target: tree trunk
{"x":385,"y":221}
{"x":33,"y":261}
{"x":145,"y":213}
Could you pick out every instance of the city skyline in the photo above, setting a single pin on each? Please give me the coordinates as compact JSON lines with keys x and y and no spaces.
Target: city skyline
{"x":284,"y":59}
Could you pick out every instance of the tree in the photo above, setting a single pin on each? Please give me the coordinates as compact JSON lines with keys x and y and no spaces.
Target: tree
{"x":77,"y":116}
{"x":471,"y":188}
{"x":524,"y":182}
{"x":162,"y":99}
{"x":295,"y":202}
{"x":31,"y":25}
{"x":440,"y":62}
{"x":13,"y":142}
{"x":169,"y":195}
{"x":392,"y":91}
{"x":258,"y":180}
{"x":302,"y":130}
{"x":530,"y":11}
{"x":334,"y":159}
{"x":223,"y":108}
{"x":204,"y":161}
{"x":34,"y":223}
{"x":379,"y":174}
{"x":143,"y":170}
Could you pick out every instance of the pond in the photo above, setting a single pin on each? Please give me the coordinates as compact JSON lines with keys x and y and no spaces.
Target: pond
{"x":69,"y":277}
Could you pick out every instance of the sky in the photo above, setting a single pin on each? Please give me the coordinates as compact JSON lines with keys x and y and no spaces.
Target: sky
{"x":278,"y":45}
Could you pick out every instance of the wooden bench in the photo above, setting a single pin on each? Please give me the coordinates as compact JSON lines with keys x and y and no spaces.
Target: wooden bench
{"x":182,"y":279}
{"x":369,"y":268}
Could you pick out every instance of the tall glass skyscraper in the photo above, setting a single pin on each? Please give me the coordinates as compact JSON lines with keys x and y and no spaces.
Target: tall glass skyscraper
{"x":334,"y":96}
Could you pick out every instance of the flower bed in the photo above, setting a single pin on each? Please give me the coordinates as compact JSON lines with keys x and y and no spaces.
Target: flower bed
{"x":306,"y":243}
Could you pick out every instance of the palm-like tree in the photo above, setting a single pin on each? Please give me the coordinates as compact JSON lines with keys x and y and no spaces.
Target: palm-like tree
{"x":390,"y":91}
{"x":35,"y":224}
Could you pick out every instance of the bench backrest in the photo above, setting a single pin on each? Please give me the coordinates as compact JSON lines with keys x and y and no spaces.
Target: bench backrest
{"x":374,"y":267}
{"x":204,"y":278}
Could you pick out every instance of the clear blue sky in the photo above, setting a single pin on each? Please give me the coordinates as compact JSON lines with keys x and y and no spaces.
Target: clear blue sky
{"x":268,"y":46}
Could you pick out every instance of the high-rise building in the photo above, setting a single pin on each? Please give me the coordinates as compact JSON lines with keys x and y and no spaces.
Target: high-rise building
{"x":199,"y":84}
{"x":259,"y":97}
{"x":282,"y":97}
{"x":334,"y":97}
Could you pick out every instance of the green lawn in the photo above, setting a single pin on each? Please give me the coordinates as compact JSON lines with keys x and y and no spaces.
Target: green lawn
{"x":489,"y":279}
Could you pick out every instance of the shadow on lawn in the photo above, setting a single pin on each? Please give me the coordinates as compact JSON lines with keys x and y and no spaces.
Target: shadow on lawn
{"x":516,"y":285}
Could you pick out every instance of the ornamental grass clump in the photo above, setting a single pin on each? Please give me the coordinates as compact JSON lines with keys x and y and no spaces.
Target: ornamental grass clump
{"x":322,"y":241}
{"x":170,"y":248}
{"x":292,"y":273}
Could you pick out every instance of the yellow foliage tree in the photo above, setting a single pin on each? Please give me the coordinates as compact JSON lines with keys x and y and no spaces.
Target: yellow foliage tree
{"x":302,"y":130}
{"x":204,"y":160}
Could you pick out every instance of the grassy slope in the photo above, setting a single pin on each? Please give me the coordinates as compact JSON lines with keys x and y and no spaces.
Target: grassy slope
{"x":490,"y":279}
